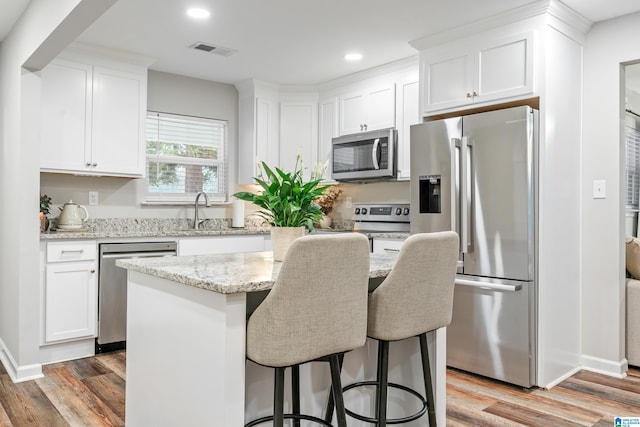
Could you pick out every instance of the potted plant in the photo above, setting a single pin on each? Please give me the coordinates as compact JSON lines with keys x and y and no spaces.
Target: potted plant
{"x":45,"y":204}
{"x":287,"y":203}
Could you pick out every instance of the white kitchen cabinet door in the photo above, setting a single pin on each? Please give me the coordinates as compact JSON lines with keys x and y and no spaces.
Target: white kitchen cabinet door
{"x":370,"y":109}
{"x":93,"y":120}
{"x":505,"y":68}
{"x":448,"y":80}
{"x":352,"y":115}
{"x":66,"y":112}
{"x":220,"y":245}
{"x":118,"y":143}
{"x":408,"y":114}
{"x":485,"y":69}
{"x":258,"y":125}
{"x":327,"y":129}
{"x":70,"y":301}
{"x":298,"y":135}
{"x":380,"y":107}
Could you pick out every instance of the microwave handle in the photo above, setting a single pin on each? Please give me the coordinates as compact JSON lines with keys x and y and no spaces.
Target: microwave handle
{"x":374,"y":154}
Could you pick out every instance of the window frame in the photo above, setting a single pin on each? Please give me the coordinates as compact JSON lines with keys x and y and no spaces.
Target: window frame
{"x":222,"y":163}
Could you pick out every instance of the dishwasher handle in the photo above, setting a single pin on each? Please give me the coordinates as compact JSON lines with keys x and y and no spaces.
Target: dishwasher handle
{"x":119,"y":255}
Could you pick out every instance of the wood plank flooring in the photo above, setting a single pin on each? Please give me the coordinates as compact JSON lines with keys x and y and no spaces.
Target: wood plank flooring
{"x":90,"y":392}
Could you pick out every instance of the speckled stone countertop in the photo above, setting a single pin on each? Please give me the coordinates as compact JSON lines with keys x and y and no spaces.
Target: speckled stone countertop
{"x":107,"y":228}
{"x":230,"y":273}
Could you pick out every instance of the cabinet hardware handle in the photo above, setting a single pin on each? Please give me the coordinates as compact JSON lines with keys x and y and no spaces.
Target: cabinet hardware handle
{"x":365,"y":127}
{"x":93,"y":270}
{"x":94,"y":165}
{"x":88,"y":164}
{"x":468,"y":95}
{"x":475,"y":93}
{"x":391,"y":250}
{"x":74,"y":251}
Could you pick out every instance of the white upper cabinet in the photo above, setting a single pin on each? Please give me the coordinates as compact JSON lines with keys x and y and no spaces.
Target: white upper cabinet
{"x":408,"y":114}
{"x":93,"y":119}
{"x":369,"y":109}
{"x":258,"y":137}
{"x":483,"y":69}
{"x":299,"y":134}
{"x":327,"y":129}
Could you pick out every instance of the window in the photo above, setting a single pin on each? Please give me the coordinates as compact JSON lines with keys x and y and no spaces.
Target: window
{"x":632,"y":142}
{"x":185,"y":155}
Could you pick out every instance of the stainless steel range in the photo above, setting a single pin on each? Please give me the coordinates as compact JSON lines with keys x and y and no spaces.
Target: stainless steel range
{"x":381,"y":217}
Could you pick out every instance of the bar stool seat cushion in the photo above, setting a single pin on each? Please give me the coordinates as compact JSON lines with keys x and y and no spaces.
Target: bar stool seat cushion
{"x":424,"y":259}
{"x":314,"y":309}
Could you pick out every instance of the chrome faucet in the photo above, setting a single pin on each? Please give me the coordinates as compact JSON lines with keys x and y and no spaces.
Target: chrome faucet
{"x":196,"y":220}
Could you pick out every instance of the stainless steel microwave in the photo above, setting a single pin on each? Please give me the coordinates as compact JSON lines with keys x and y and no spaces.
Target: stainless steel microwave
{"x":364,"y":156}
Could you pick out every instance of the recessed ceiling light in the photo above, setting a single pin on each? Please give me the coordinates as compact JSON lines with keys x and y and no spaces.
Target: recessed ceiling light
{"x":198,"y":13}
{"x":353,"y":56}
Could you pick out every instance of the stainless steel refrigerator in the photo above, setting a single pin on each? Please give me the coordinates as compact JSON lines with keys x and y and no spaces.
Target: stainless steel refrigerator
{"x":476,"y":175}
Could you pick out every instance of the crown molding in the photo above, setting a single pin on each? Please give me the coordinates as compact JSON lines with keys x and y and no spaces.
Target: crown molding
{"x":562,"y":15}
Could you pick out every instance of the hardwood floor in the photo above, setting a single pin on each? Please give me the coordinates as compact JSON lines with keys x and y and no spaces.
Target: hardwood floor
{"x":90,"y":392}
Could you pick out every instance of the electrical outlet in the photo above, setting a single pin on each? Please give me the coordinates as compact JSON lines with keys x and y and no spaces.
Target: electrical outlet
{"x":349,"y":202}
{"x":93,"y":198}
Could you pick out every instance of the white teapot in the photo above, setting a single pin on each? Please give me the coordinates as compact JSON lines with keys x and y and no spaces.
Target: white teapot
{"x":70,"y":215}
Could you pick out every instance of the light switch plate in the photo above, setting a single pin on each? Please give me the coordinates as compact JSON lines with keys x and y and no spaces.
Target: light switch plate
{"x":93,"y":198}
{"x":599,"y":189}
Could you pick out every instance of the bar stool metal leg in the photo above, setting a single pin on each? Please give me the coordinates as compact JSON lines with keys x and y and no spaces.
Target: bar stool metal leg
{"x":331,"y":403}
{"x":428,"y":385}
{"x":278,"y":401}
{"x":336,"y":386}
{"x":383,"y":379}
{"x":295,"y":393}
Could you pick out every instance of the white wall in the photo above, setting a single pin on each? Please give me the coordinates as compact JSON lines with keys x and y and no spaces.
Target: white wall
{"x":608,"y":45}
{"x":122,"y":197}
{"x":43,"y":27}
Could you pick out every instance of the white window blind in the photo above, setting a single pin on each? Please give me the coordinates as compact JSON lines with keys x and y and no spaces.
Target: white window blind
{"x":185,"y":155}
{"x":632,"y":143}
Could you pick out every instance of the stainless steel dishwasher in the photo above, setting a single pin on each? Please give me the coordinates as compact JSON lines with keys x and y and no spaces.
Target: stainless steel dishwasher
{"x":112,"y":289}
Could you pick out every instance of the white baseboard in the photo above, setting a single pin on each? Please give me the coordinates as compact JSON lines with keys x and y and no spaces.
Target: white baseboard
{"x":16,"y":372}
{"x":562,"y":378}
{"x":606,"y":367}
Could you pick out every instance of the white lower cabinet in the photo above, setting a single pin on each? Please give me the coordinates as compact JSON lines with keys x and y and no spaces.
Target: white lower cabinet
{"x":70,"y":291}
{"x":387,"y":245}
{"x":220,"y":245}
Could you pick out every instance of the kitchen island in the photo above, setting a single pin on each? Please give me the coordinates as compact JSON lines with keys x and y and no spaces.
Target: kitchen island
{"x":186,"y":322}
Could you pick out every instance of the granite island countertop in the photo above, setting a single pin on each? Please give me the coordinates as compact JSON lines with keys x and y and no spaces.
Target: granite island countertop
{"x":230,"y":273}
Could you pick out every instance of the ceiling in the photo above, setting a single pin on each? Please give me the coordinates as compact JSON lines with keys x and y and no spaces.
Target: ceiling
{"x":288,"y":42}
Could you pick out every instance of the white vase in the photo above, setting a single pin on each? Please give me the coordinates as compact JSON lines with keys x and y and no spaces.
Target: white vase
{"x":282,"y":238}
{"x":325,"y":222}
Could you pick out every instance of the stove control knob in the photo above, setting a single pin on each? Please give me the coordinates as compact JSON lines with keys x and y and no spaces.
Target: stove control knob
{"x":405,"y":211}
{"x":364,"y":211}
{"x":398,"y":211}
{"x":357,"y":211}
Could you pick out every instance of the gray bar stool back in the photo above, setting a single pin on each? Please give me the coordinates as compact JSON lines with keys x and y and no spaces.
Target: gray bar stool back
{"x":316,"y":310}
{"x":415,"y":298}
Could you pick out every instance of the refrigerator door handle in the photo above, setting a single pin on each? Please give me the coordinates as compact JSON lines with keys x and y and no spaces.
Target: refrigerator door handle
{"x":374,"y":154}
{"x":456,"y":216}
{"x":464,"y":194}
{"x":489,"y":286}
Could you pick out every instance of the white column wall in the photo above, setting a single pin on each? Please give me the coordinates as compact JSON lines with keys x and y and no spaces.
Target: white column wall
{"x":41,"y":29}
{"x":608,"y":44}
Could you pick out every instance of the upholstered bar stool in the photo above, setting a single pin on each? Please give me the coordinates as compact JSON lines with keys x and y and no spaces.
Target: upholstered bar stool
{"x":316,"y":310}
{"x":415,"y":298}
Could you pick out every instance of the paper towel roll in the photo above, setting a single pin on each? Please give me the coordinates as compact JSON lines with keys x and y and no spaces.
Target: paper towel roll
{"x":237,"y":220}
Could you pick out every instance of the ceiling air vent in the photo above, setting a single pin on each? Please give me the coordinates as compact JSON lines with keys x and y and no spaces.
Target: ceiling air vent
{"x":218,"y":50}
